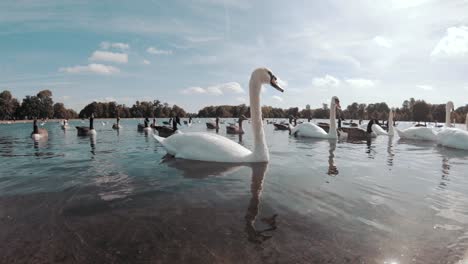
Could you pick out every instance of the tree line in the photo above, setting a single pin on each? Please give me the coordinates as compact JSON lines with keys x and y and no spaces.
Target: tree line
{"x":42,"y":106}
{"x":39,"y":106}
{"x":410,"y":110}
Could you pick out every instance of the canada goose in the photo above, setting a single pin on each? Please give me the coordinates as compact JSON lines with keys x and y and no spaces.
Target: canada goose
{"x":236,"y":129}
{"x":87,"y":131}
{"x":38,"y":133}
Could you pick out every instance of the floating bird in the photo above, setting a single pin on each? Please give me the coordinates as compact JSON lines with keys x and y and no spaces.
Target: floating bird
{"x":315,"y":131}
{"x":87,"y":131}
{"x":38,"y":133}
{"x":117,"y":125}
{"x":425,"y":133}
{"x":236,"y":129}
{"x":214,"y":148}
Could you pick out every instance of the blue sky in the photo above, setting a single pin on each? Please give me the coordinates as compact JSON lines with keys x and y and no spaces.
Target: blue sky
{"x":201,"y":52}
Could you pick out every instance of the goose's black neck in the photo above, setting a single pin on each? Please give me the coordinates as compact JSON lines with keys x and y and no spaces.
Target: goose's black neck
{"x":91,"y":122}
{"x":35,"y":127}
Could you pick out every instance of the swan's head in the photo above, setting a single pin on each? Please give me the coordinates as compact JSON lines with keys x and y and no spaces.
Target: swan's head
{"x":265,"y":76}
{"x":450,"y":106}
{"x":335,"y":102}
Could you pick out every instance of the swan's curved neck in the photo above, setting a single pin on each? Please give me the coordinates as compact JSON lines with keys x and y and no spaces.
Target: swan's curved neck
{"x":260,"y":151}
{"x":447,"y":116}
{"x":466,"y":121}
{"x":332,"y":132}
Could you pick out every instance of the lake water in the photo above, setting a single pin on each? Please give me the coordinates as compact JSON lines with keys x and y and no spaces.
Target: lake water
{"x":114,"y":200}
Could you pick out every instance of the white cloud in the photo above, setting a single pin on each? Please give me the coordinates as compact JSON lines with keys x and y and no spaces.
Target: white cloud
{"x":241,"y":99}
{"x":155,"y":51}
{"x":110,"y":99}
{"x":146,"y":62}
{"x":91,"y":68}
{"x":194,"y":90}
{"x":99,"y":55}
{"x":425,"y":87}
{"x":327,"y":80}
{"x":115,"y":45}
{"x":277,"y":98}
{"x":383,"y":42}
{"x":453,"y":44}
{"x":361,"y":83}
{"x":219,"y":89}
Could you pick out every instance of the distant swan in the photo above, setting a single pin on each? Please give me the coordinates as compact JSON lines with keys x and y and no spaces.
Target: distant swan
{"x":38,"y":133}
{"x":314,"y":131}
{"x":87,"y":131}
{"x":425,"y":133}
{"x":453,"y":137}
{"x":211,"y":147}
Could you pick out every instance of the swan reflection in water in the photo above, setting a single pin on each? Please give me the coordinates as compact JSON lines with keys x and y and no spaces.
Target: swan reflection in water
{"x":390,"y":151}
{"x":202,"y":169}
{"x":332,"y":169}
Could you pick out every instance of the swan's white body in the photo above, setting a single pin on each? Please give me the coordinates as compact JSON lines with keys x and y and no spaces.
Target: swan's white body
{"x":453,"y":138}
{"x":426,"y":133}
{"x":417,"y":133}
{"x":314,"y":131}
{"x":379,"y":131}
{"x":214,"y":148}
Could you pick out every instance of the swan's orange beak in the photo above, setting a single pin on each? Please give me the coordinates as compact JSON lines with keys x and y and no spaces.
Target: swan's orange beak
{"x":337,"y":102}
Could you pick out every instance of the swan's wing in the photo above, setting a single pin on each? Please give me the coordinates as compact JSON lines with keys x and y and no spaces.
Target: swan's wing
{"x":378,"y":130}
{"x":204,"y":147}
{"x":308,"y":130}
{"x":453,"y":138}
{"x":419,"y":133}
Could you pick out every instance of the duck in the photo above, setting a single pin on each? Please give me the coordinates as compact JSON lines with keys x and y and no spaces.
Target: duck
{"x":144,"y":127}
{"x":87,"y":131}
{"x":425,"y":133}
{"x":203,"y":146}
{"x":38,"y":133}
{"x":117,"y":125}
{"x":453,"y":137}
{"x":314,"y":131}
{"x":236,"y":129}
{"x":213,"y":125}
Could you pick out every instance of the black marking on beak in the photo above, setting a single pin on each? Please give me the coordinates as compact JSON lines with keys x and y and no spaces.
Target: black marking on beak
{"x":274,"y":82}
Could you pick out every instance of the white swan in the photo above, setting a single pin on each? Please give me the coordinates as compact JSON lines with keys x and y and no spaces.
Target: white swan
{"x":214,"y":148}
{"x":426,"y":133}
{"x":314,"y":131}
{"x":453,"y":137}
